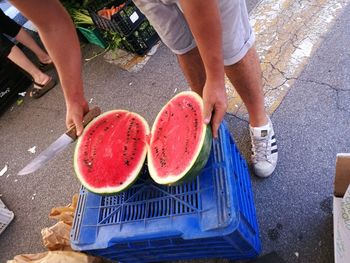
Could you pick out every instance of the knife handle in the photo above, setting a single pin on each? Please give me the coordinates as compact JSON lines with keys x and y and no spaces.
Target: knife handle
{"x":94,"y":112}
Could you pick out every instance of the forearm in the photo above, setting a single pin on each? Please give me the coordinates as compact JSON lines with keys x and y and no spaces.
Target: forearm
{"x":60,"y":39}
{"x":204,"y":20}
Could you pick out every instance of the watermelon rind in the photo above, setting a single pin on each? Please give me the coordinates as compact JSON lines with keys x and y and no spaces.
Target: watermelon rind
{"x":132,"y":177}
{"x":200,"y":157}
{"x":201,"y":160}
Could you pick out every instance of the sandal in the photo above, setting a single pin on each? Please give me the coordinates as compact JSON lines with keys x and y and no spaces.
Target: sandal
{"x":40,"y":89}
{"x":46,"y":66}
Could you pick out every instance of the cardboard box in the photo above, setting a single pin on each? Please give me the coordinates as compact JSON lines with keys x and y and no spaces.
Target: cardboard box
{"x":341,"y":209}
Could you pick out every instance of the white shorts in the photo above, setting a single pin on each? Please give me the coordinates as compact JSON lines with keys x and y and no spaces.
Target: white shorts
{"x":168,"y":20}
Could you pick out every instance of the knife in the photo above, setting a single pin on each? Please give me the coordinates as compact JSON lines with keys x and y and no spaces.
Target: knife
{"x":59,"y":145}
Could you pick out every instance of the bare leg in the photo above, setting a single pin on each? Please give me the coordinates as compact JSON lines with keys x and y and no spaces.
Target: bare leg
{"x":29,"y":42}
{"x":244,"y":75}
{"x":246,"y":78}
{"x":19,"y":58}
{"x":193,"y":69}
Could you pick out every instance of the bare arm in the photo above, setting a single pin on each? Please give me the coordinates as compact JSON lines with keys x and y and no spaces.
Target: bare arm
{"x":60,"y":39}
{"x":203,"y":18}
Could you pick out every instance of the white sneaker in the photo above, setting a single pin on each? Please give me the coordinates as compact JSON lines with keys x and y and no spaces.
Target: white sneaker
{"x":264,"y":149}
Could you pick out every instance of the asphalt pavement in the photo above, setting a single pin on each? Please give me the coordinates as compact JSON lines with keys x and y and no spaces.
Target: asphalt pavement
{"x":294,"y":205}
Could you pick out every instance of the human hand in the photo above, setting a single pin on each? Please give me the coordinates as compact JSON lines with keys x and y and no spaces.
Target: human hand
{"x":215,"y":104}
{"x":75,"y":112}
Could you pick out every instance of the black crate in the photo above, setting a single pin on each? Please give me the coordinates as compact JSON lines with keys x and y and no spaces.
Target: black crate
{"x":141,"y":40}
{"x":12,"y":81}
{"x":124,"y":22}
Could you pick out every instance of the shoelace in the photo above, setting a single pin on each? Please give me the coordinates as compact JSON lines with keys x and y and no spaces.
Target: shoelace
{"x":260,"y":149}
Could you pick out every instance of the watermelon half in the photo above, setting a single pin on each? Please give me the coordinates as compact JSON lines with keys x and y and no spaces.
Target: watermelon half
{"x":112,"y":150}
{"x":180,"y":142}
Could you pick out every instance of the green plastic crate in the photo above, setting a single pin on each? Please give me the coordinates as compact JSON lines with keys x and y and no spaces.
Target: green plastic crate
{"x":93,"y":36}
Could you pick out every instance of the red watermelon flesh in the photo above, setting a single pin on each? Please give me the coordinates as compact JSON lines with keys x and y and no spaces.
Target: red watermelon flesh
{"x":178,"y":138}
{"x":110,"y":153}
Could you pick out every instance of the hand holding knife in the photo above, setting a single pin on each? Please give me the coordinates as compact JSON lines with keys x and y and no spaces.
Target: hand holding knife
{"x":59,"y":145}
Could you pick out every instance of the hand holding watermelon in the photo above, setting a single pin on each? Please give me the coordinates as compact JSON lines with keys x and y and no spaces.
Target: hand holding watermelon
{"x":215,"y":104}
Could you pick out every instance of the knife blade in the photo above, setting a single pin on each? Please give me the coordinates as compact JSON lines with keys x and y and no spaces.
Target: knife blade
{"x":59,"y":145}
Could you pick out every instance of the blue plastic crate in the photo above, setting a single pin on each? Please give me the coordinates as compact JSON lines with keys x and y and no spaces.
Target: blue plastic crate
{"x":211,"y":217}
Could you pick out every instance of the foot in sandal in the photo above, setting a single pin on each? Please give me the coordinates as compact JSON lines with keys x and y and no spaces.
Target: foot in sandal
{"x":39,"y":89}
{"x":45,"y":63}
{"x":46,"y":66}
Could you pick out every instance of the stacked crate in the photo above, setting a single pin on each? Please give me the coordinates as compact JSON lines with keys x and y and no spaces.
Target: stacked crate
{"x":137,"y":35}
{"x":212,"y":216}
{"x":6,"y":216}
